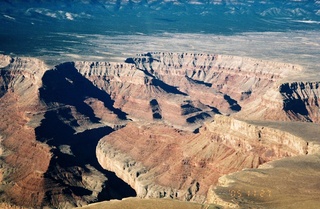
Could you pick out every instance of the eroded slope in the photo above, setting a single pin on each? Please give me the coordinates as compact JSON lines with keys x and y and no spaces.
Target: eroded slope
{"x":159,"y":161}
{"x":24,"y":161}
{"x":52,"y":120}
{"x":199,"y":86}
{"x":48,"y":137}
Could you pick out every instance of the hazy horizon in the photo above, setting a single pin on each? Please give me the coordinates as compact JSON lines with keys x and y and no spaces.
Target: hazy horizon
{"x":114,"y":30}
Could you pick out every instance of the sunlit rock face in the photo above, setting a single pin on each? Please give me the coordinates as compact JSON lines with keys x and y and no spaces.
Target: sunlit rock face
{"x":24,"y":160}
{"x":48,"y":136}
{"x":162,"y":85}
{"x":76,"y":100}
{"x":182,"y":163}
{"x":159,"y":161}
{"x":168,"y":124}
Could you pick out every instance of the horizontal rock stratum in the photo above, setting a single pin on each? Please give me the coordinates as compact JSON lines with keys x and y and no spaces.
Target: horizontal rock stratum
{"x":169,"y":124}
{"x":159,"y":161}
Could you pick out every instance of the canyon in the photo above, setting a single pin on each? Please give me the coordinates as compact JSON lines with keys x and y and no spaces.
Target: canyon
{"x":182,"y":126}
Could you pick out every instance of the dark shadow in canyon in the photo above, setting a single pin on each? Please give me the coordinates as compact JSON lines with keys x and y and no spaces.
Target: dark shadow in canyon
{"x":296,"y":106}
{"x":55,"y":132}
{"x":167,"y":88}
{"x":74,"y":152}
{"x":233,"y":103}
{"x":4,"y":80}
{"x":292,"y":104}
{"x":188,"y":109}
{"x":215,"y":110}
{"x":156,"y":110}
{"x":66,"y":85}
{"x":209,"y":85}
{"x":199,"y":117}
{"x":162,"y":85}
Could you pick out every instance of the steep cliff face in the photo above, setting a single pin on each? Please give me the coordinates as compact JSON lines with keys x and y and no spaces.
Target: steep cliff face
{"x":53,"y":119}
{"x":24,"y":161}
{"x":229,"y":77}
{"x":48,"y":134}
{"x":72,"y":127}
{"x":21,"y":76}
{"x":295,"y":101}
{"x":144,"y":97}
{"x":200,"y":85}
{"x":301,"y":100}
{"x":158,"y":161}
{"x":184,"y":90}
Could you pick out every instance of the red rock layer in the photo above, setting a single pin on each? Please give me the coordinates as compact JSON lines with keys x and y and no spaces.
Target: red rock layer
{"x":160,"y":161}
{"x":24,"y":160}
{"x":211,"y":84}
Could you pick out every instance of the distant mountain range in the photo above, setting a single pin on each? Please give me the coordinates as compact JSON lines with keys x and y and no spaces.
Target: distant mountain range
{"x":212,"y":16}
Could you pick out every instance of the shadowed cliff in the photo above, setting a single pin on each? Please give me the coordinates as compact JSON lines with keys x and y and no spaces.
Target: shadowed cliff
{"x":66,"y":85}
{"x":53,"y":120}
{"x":64,"y":91}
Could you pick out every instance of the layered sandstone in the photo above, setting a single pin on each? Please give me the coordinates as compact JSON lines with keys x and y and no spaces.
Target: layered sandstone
{"x":159,"y":161}
{"x":301,"y":99}
{"x":143,"y":97}
{"x":201,"y":85}
{"x":24,"y":161}
{"x":154,"y":114}
{"x":40,"y":163}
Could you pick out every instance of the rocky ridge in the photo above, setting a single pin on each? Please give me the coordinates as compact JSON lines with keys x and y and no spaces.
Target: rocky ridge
{"x":158,"y":161}
{"x":213,"y":83}
{"x":24,"y":160}
{"x":301,"y":99}
{"x":41,"y":165}
{"x":157,"y":104}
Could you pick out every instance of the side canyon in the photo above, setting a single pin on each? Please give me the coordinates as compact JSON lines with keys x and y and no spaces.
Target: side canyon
{"x":159,"y":125}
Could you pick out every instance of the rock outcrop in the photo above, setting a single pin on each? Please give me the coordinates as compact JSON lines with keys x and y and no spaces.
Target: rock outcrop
{"x":202,"y":85}
{"x":159,"y":161}
{"x":151,"y":117}
{"x":24,"y":160}
{"x":301,"y":100}
{"x":48,"y":136}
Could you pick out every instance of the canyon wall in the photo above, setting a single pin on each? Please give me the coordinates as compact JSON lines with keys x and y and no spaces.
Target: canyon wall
{"x":159,"y":161}
{"x":301,"y":100}
{"x":202,"y":85}
{"x":149,"y":119}
{"x":24,"y":160}
{"x":48,"y":137}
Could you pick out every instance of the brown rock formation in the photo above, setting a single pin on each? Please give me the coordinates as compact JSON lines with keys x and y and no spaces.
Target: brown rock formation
{"x":301,"y":100}
{"x":52,"y":120}
{"x":24,"y":160}
{"x":41,"y":165}
{"x":149,"y":204}
{"x":201,"y":85}
{"x":159,"y":161}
